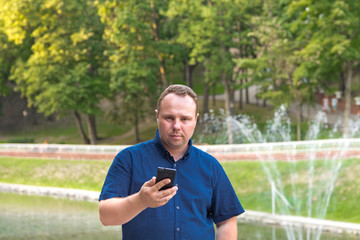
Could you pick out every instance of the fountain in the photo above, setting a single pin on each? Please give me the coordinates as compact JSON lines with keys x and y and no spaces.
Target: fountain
{"x":304,"y":186}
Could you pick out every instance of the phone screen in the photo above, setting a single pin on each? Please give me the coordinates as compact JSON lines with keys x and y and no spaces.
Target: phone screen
{"x":163,"y":173}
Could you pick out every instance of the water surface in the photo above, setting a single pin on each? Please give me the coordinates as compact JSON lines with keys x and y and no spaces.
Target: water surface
{"x":35,"y":217}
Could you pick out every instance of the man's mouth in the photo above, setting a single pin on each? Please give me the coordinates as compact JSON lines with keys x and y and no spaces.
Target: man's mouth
{"x":175,"y":135}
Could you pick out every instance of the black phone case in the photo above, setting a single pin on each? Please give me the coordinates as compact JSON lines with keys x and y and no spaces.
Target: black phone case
{"x":163,"y":173}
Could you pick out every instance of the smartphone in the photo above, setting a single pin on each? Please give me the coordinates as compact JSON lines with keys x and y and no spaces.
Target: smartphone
{"x":163,"y":173}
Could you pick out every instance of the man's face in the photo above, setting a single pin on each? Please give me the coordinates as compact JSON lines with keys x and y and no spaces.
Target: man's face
{"x":176,"y":121}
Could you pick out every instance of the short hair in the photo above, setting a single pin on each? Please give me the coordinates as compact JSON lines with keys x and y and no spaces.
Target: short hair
{"x":179,"y":90}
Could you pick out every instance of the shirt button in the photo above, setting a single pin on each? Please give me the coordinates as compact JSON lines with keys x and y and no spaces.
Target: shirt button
{"x":178,"y":229}
{"x":177,"y":207}
{"x":174,"y":165}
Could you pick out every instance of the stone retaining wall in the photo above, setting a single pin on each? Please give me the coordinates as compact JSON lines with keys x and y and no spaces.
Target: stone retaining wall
{"x":74,"y":194}
{"x":300,"y":222}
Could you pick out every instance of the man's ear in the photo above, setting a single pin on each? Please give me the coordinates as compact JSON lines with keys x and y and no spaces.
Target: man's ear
{"x":196,"y":117}
{"x":157,"y":115}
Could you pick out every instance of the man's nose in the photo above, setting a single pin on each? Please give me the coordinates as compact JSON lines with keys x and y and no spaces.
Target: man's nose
{"x":176,"y":124}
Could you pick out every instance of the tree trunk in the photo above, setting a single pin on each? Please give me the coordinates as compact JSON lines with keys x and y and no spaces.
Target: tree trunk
{"x":206,"y":99}
{"x":229,"y":95}
{"x":228,"y":108}
{"x":242,"y":51}
{"x":80,"y":127}
{"x":187,"y":73}
{"x":172,"y":75}
{"x":247,"y":94}
{"x":347,"y":93}
{"x":241,"y":95}
{"x":162,"y":72}
{"x":298,"y":122}
{"x":136,"y":125}
{"x":342,"y":83}
{"x":213,"y":94}
{"x":157,"y":39}
{"x":91,"y":123}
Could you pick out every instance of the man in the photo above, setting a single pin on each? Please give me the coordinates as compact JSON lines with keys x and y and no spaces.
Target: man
{"x":202,"y":194}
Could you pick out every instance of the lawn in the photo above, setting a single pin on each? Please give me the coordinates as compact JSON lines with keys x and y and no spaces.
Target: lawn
{"x":247,"y":177}
{"x":87,"y":175}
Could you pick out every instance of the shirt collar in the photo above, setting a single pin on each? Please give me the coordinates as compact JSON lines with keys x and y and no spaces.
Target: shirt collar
{"x":161,"y":147}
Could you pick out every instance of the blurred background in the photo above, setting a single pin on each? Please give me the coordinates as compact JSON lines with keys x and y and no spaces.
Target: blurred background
{"x":89,"y":72}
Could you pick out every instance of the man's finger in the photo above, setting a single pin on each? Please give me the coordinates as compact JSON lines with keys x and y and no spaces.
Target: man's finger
{"x":162,"y":183}
{"x":169,"y":191}
{"x":167,"y":194}
{"x":150,"y":183}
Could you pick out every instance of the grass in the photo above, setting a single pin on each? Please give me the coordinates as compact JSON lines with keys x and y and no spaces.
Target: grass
{"x":247,"y":177}
{"x":87,"y":175}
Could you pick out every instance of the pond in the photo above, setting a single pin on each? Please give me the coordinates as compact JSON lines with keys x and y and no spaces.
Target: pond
{"x":34,"y":217}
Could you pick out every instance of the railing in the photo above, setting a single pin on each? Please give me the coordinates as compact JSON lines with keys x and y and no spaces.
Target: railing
{"x":61,"y":148}
{"x":281,"y":147}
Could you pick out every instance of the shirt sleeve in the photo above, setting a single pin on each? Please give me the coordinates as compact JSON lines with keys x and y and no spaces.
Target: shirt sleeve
{"x":118,"y":178}
{"x":225,"y":204}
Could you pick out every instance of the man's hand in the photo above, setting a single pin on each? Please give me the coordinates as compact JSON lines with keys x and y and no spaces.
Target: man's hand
{"x":150,"y":196}
{"x":118,"y":211}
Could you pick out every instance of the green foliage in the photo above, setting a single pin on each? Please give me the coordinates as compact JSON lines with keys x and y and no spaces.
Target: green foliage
{"x":204,"y":27}
{"x":65,"y":55}
{"x":8,"y":53}
{"x":331,"y":32}
{"x":62,"y":73}
{"x":134,"y":57}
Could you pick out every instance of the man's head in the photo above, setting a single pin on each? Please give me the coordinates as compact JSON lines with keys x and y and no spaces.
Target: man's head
{"x":177,"y":113}
{"x":179,"y":90}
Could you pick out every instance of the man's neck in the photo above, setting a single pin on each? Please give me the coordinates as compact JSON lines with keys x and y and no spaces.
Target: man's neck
{"x":178,"y":154}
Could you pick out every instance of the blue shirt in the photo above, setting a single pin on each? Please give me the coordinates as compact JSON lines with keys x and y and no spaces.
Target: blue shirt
{"x":204,"y":197}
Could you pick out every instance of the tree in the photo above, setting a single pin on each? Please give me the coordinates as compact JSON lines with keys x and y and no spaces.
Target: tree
{"x":134,"y":57}
{"x":7,"y":58}
{"x":208,"y":29}
{"x":333,"y":49}
{"x":285,"y":74}
{"x":9,"y":51}
{"x":62,"y":72}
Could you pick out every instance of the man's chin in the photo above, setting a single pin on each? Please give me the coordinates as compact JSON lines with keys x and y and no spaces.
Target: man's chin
{"x":176,"y":144}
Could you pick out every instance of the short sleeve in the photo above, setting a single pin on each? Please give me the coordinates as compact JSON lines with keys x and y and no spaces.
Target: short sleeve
{"x":118,"y":178}
{"x":225,"y":204}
